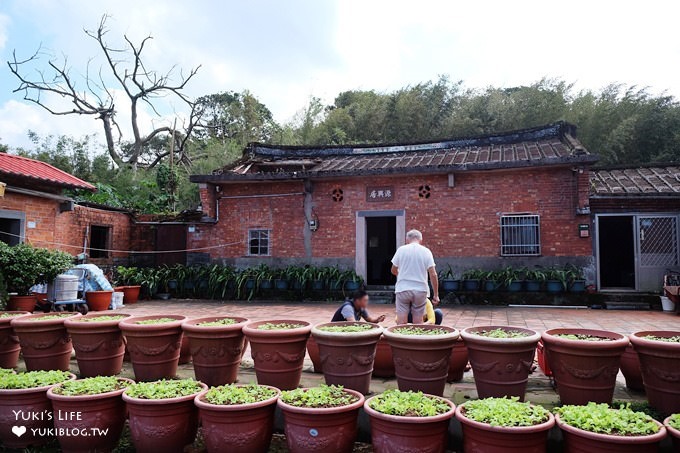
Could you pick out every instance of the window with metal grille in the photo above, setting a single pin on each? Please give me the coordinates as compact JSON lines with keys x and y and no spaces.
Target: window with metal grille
{"x":520,"y":235}
{"x":258,"y":242}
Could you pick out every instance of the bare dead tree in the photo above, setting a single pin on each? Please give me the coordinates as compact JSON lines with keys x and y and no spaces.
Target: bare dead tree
{"x":124,"y":67}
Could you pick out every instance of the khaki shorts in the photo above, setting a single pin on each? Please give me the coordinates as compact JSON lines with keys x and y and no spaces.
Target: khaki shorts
{"x":411,"y":301}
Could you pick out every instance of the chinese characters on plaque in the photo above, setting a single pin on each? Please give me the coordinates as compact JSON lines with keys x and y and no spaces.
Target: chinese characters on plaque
{"x":379,"y":193}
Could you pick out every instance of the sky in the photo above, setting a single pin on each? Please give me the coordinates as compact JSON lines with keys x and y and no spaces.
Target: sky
{"x":286,"y":51}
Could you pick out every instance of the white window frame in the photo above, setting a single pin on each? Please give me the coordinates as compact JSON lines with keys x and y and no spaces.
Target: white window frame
{"x":513,"y":234}
{"x":259,"y":231}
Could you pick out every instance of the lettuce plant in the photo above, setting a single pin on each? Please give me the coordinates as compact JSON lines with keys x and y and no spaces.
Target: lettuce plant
{"x":408,"y":404}
{"x":153,"y":321}
{"x":582,"y":337}
{"x":32,"y":379}
{"x":163,"y":389}
{"x":673,"y":339}
{"x":602,"y":419}
{"x":238,"y":394}
{"x":279,"y":326}
{"x":674,"y":421}
{"x":318,"y":397}
{"x":501,"y":333}
{"x":350,"y":328}
{"x":101,"y":318}
{"x":217,"y":323}
{"x":506,"y":412}
{"x":51,"y":317}
{"x":91,"y":386}
{"x":10,"y":315}
{"x":414,"y":330}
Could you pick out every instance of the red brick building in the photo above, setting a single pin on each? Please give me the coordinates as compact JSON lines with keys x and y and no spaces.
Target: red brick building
{"x":516,"y":198}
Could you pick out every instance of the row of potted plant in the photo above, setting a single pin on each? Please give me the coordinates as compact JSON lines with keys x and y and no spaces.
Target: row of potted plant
{"x":165,"y":415}
{"x":551,"y":279}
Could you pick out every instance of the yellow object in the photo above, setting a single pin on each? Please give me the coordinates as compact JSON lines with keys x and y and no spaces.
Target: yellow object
{"x":429,"y":317}
{"x":2,"y":189}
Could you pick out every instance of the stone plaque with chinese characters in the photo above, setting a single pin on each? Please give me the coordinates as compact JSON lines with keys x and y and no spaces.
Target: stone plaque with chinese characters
{"x":380,"y":193}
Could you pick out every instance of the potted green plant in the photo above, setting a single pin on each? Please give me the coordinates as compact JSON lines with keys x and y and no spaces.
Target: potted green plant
{"x":281,"y":281}
{"x":347,"y":352}
{"x":501,"y":359}
{"x":319,"y":278}
{"x":9,"y":342}
{"x":448,"y":281}
{"x":238,"y":417}
{"x":162,"y":414}
{"x":334,"y":278}
{"x":216,"y":344}
{"x":534,"y":279}
{"x":672,"y":424}
{"x":598,"y":427}
{"x":352,"y":281}
{"x":263,"y":277}
{"x":98,"y":343}
{"x":98,"y":403}
{"x":408,"y":421}
{"x":27,"y":392}
{"x":659,"y":353}
{"x":557,"y":280}
{"x":45,"y":343}
{"x":320,"y":418}
{"x":421,"y":355}
{"x":221,"y":282}
{"x":497,"y":425}
{"x":278,"y":349}
{"x":512,"y":279}
{"x":154,"y":344}
{"x":584,"y":363}
{"x":472,"y":279}
{"x":129,"y":279}
{"x":493,"y":280}
{"x":576,"y":279}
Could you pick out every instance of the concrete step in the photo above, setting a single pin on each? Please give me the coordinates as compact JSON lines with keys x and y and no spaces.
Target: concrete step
{"x":381,"y":296}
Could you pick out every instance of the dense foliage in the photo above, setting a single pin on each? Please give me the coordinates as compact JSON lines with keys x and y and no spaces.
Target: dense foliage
{"x":91,"y":386}
{"x":409,"y":404}
{"x":602,"y":419}
{"x":163,"y":389}
{"x":32,"y":379}
{"x":23,"y":266}
{"x":674,"y":421}
{"x":318,"y":397}
{"x":238,"y":394}
{"x":506,"y":412}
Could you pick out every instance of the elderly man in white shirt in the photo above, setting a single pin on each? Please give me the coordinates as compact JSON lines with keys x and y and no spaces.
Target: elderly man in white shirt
{"x":412,"y":264}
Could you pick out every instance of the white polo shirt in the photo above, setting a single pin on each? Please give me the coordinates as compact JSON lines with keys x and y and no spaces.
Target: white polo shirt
{"x":413,"y":261}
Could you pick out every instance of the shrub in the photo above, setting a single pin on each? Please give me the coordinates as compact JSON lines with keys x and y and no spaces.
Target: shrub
{"x":33,"y":379}
{"x":352,"y":328}
{"x":507,"y":412}
{"x":23,"y":265}
{"x":91,"y":386}
{"x":238,"y":394}
{"x":408,"y":404}
{"x":602,"y":419}
{"x":163,"y":389}
{"x":318,"y":397}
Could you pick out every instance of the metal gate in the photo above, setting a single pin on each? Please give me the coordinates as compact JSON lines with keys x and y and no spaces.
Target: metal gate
{"x":657,"y":249}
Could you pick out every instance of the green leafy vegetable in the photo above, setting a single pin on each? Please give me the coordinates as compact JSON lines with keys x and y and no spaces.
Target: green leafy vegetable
{"x":322,"y":396}
{"x":351,"y":328}
{"x":5,"y":371}
{"x":408,"y":404}
{"x":413,"y":330}
{"x":502,"y":333}
{"x":674,"y":339}
{"x":238,"y":394}
{"x":279,"y":326}
{"x":155,"y":321}
{"x":163,"y":389}
{"x":51,"y":317}
{"x":507,"y":412}
{"x":217,"y":323}
{"x":602,"y":419}
{"x":674,"y":421}
{"x":582,"y":337}
{"x":10,"y":315}
{"x":33,"y":379}
{"x":102,"y":318}
{"x":91,"y":386}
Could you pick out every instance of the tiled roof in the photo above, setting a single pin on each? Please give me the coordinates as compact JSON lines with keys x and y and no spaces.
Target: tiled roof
{"x":641,"y":181}
{"x":23,"y":167}
{"x":553,"y":144}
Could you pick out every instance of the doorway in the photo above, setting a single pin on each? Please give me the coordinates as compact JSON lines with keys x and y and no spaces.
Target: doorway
{"x":616,"y":237}
{"x":381,"y":243}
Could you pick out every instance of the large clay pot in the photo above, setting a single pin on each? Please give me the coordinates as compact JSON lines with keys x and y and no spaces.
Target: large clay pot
{"x":660,"y":364}
{"x":584,"y":370}
{"x":184,"y":351}
{"x":630,"y":367}
{"x":16,"y":409}
{"x":45,"y":343}
{"x":331,"y":429}
{"x":240,"y":428}
{"x":390,"y":433}
{"x":580,"y":441}
{"x":347,"y":357}
{"x":313,"y":351}
{"x":383,"y":367}
{"x":105,"y":412}
{"x":99,"y":345}
{"x":421,"y":362}
{"x":216,"y":350}
{"x":458,"y":361}
{"x":22,"y":303}
{"x":98,"y":300}
{"x":278,"y":354}
{"x":131,"y":294}
{"x":154,"y":348}
{"x":674,"y":433}
{"x":501,"y":366}
{"x":164,"y":425}
{"x":483,"y":437}
{"x":9,"y":342}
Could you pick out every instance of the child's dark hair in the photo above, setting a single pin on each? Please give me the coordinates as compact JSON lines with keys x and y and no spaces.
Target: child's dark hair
{"x":360,"y":294}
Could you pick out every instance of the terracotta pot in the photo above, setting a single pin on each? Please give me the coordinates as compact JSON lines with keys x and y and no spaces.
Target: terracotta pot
{"x":278,"y":354}
{"x":390,"y":433}
{"x":154,"y":348}
{"x":313,"y":351}
{"x":347,"y":357}
{"x":458,"y":361}
{"x":674,"y":433}
{"x":22,"y":303}
{"x":9,"y":342}
{"x":40,"y":297}
{"x":45,"y":345}
{"x":580,"y":441}
{"x":99,"y":345}
{"x":216,"y":350}
{"x":630,"y":367}
{"x":184,"y":351}
{"x":421,"y":362}
{"x":584,"y":370}
{"x":383,"y":367}
{"x":242,"y":428}
{"x":105,"y":412}
{"x":131,"y":294}
{"x":25,"y":402}
{"x":98,"y":300}
{"x":163,"y":425}
{"x":332,"y":429}
{"x":482,"y":437}
{"x":660,"y":365}
{"x":501,"y":366}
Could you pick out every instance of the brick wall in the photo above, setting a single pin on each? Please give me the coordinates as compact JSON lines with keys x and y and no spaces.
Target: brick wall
{"x":462,"y":221}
